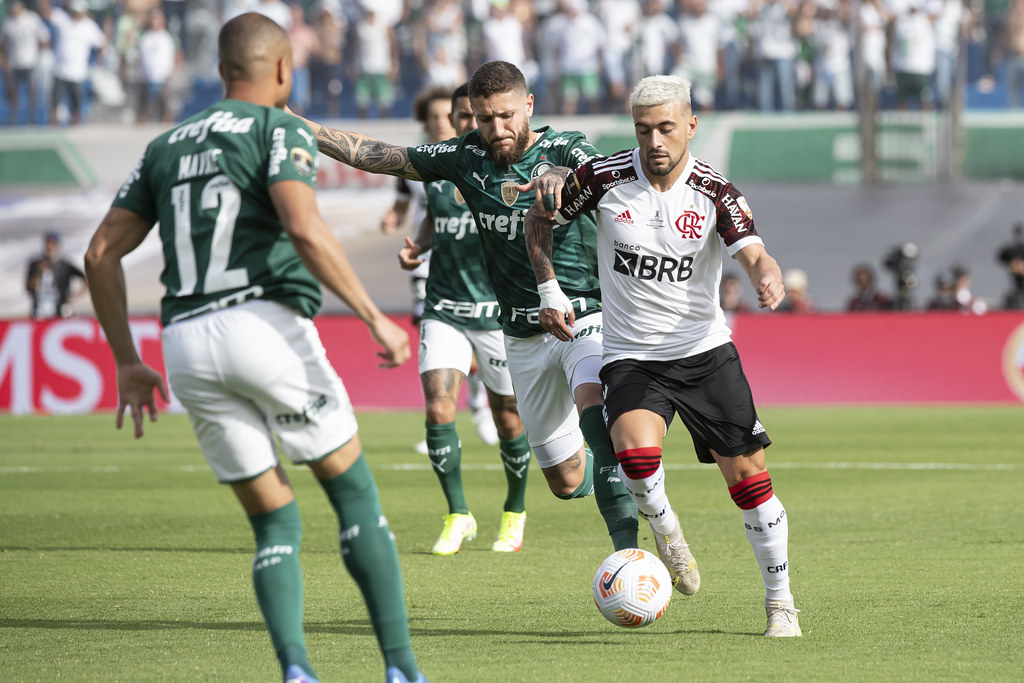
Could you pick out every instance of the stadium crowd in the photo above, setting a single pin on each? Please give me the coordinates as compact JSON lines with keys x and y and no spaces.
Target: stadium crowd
{"x":157,"y":59}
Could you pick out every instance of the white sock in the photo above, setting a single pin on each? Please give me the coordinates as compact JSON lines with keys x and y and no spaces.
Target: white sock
{"x":650,"y":498}
{"x":768,"y":533}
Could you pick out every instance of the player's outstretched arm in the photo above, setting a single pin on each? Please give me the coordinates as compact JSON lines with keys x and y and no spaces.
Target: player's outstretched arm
{"x":556,"y":314}
{"x":361,"y":151}
{"x":765,"y":275}
{"x":321,"y":253}
{"x":120,"y":232}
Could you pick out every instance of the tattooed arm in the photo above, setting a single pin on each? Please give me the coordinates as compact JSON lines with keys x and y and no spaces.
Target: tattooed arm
{"x":362,"y":152}
{"x":556,"y":314}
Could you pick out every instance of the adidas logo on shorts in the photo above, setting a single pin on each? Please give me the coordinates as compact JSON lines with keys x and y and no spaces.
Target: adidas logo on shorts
{"x":758,"y":429}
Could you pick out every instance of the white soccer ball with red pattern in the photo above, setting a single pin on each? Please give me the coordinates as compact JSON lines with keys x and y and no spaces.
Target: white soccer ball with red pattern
{"x":632,"y":588}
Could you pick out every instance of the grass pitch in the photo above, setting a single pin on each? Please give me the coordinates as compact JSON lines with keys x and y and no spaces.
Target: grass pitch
{"x":124,"y":560}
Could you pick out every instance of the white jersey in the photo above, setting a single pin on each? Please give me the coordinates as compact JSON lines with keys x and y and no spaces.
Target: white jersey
{"x":659,"y":253}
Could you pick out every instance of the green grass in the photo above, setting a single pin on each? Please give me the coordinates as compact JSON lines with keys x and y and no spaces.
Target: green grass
{"x":123,"y":560}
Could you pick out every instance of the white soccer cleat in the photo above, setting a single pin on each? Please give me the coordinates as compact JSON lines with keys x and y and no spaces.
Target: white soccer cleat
{"x":485,"y":429}
{"x":457,"y":528}
{"x":782,"y":621}
{"x":675,"y":553}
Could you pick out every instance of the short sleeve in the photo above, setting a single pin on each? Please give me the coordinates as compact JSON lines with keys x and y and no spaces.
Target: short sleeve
{"x":293,"y":152}
{"x":135,"y":194}
{"x":436,"y":161}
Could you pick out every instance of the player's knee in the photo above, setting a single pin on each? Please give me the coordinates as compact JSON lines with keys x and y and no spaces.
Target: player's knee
{"x":563,"y":481}
{"x":508,"y":424}
{"x":440,"y":410}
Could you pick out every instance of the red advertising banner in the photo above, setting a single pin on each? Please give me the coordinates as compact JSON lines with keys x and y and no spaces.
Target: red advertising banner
{"x":64,"y":366}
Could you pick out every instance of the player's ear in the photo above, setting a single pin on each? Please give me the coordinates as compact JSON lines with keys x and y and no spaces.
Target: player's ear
{"x":529,"y":105}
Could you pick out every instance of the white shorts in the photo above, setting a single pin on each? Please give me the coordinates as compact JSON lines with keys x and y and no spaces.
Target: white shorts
{"x":443,"y":346}
{"x":545,"y":372}
{"x":250,"y":371}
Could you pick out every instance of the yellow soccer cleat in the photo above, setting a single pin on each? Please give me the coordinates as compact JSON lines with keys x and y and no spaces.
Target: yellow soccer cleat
{"x":510,"y":533}
{"x":457,"y":528}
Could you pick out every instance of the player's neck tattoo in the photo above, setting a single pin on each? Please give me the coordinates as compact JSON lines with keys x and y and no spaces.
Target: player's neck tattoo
{"x":368,"y":154}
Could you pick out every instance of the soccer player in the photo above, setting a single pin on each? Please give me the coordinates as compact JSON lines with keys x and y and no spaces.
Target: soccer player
{"x":244,"y":246}
{"x":494,"y":168}
{"x":662,"y":217}
{"x":460,"y":319}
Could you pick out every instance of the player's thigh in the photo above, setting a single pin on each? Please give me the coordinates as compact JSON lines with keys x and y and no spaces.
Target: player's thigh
{"x":491,"y":360}
{"x":632,"y":387}
{"x":444,"y":347}
{"x":544,"y":399}
{"x":580,"y":359}
{"x":232,"y":433}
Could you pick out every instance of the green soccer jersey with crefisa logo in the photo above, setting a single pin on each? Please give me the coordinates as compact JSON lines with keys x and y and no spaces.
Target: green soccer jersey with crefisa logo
{"x":458,"y":290}
{"x":207,"y":182}
{"x":489,"y":190}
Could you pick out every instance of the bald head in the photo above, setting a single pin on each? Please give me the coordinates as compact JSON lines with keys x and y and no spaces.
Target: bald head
{"x":250,"y":47}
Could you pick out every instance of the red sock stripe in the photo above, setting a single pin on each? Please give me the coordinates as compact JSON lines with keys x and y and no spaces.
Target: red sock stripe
{"x":752,"y":491}
{"x":639,"y":463}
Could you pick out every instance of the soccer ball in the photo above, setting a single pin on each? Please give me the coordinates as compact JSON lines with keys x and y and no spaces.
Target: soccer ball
{"x":632,"y":588}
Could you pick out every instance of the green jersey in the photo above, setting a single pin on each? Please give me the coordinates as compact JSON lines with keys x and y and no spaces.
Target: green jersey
{"x":458,"y":289}
{"x":498,"y":208}
{"x":206,"y":181}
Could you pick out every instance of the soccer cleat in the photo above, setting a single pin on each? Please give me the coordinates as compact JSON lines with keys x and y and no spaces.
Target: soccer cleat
{"x":782,"y":621}
{"x":421,"y":448}
{"x":295,"y":674}
{"x":674,"y":551}
{"x":457,"y":528}
{"x":510,"y":533}
{"x":485,"y":429}
{"x":395,"y":675}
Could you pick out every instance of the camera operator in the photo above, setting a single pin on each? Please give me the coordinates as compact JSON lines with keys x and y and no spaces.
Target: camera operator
{"x":1012,"y":256}
{"x":902,"y":262}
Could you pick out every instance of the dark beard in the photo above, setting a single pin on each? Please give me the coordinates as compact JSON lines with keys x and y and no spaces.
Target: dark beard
{"x":511,"y":155}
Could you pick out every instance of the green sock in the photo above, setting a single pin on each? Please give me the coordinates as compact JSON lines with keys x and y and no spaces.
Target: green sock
{"x":277,"y":579}
{"x":515,"y":455}
{"x":445,"y":452}
{"x":586,"y":486}
{"x":613,"y":500}
{"x":371,"y":557}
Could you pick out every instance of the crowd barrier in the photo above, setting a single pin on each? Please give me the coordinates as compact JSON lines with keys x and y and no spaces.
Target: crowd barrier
{"x":65,"y":367}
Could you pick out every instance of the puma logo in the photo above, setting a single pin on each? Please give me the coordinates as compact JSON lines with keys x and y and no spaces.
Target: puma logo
{"x":482,"y":181}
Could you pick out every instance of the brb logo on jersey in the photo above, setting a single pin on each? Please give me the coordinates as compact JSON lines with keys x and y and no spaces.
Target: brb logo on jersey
{"x":689,"y":225}
{"x":629,"y":260}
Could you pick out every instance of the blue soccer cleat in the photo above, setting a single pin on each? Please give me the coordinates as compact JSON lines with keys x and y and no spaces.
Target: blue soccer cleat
{"x":395,"y":675}
{"x":296,"y":674}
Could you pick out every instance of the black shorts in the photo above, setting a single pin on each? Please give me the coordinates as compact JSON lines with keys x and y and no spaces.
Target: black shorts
{"x":709,"y":392}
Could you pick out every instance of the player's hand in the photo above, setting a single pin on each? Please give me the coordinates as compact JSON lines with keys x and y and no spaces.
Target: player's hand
{"x":395,"y":341}
{"x":556,"y":314}
{"x":548,"y":189}
{"x":770,"y":292}
{"x":135,"y":386}
{"x":389,"y":222}
{"x":407,"y":255}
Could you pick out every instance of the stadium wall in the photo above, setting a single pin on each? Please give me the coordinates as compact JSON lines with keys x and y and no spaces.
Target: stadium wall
{"x":65,"y":367}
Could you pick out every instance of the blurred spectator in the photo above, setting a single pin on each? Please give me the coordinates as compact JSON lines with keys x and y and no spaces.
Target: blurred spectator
{"x":127,"y":31}
{"x":159,"y":58}
{"x":874,"y":18}
{"x":730,"y":295}
{"x":1013,"y":41}
{"x":76,"y":36}
{"x":798,"y":297}
{"x":656,"y":49}
{"x":276,"y":10}
{"x":325,"y":66}
{"x":775,"y":50}
{"x":913,"y":56}
{"x":951,"y":21}
{"x":376,"y":62}
{"x":176,"y":14}
{"x":305,"y":43}
{"x":23,"y":37}
{"x":965,"y":300}
{"x":442,"y":70}
{"x":833,"y":68}
{"x":49,"y":281}
{"x":699,"y":61}
{"x":503,"y":38}
{"x":441,"y":45}
{"x":944,"y":298}
{"x":1012,"y":257}
{"x":580,"y":40}
{"x":865,"y":297}
{"x":621,"y":19}
{"x":733,"y":46}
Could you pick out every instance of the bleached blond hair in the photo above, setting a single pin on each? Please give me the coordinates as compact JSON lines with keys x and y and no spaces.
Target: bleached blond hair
{"x":654,"y":91}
